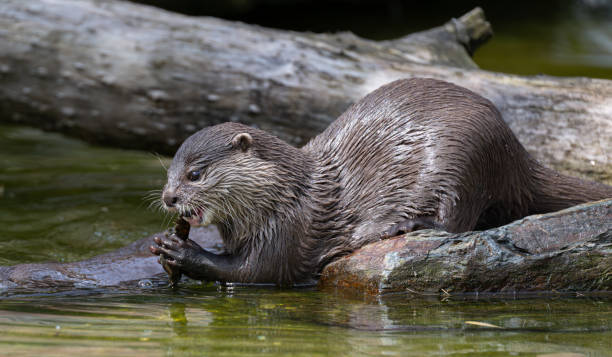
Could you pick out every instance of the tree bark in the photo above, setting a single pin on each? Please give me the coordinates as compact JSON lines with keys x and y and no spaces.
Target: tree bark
{"x":134,"y":76}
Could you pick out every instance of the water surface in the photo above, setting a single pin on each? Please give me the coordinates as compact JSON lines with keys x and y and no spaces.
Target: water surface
{"x":219,"y":321}
{"x":63,"y":200}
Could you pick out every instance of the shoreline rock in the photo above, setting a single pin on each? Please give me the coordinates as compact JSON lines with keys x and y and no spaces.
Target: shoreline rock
{"x":566,"y":250}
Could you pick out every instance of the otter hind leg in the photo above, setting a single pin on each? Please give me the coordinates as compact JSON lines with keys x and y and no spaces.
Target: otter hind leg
{"x":411,"y":225}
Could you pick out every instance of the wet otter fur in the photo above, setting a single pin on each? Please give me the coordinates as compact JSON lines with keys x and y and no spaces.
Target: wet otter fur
{"x":415,"y":153}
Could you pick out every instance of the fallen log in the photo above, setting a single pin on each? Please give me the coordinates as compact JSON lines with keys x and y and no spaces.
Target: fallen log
{"x":135,"y":76}
{"x":131,"y":75}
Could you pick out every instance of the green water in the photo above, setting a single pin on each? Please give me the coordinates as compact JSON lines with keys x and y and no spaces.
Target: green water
{"x":247,"y":321}
{"x":63,"y":200}
{"x":572,"y":42}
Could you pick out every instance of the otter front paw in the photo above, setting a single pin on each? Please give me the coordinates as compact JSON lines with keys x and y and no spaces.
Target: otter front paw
{"x":174,"y":273}
{"x":178,"y":255}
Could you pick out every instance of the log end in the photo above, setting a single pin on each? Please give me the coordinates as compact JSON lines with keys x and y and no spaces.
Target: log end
{"x":471,"y":29}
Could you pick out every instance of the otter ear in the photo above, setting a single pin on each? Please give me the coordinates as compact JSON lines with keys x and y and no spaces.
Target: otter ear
{"x":242,"y":141}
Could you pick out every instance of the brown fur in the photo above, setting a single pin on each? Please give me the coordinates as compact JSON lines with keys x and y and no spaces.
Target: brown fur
{"x":412,"y":148}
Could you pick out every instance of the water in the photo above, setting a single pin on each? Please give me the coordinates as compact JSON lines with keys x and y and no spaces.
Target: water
{"x":63,"y":200}
{"x":572,"y":41}
{"x":247,"y":321}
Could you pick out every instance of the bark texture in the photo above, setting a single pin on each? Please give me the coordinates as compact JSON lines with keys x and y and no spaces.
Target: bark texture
{"x":135,"y":76}
{"x":565,"y":250}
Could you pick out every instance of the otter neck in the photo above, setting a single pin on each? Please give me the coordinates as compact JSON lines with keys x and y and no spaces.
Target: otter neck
{"x":274,"y":210}
{"x":304,"y":215}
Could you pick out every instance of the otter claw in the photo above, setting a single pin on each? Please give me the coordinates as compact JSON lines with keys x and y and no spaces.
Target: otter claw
{"x":174,"y":274}
{"x":174,"y":236}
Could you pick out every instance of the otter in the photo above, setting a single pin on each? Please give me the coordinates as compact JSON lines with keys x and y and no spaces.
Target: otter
{"x":415,"y":153}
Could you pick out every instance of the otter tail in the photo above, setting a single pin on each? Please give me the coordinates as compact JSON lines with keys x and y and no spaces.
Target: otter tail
{"x":553,"y":191}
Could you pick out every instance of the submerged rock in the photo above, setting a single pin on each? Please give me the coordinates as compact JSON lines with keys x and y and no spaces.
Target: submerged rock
{"x":565,"y":250}
{"x":128,"y":266}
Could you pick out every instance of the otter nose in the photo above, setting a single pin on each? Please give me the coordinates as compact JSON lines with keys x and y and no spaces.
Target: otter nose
{"x":170,"y":198}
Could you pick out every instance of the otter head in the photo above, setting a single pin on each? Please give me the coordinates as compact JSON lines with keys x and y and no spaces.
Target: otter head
{"x":221,"y":173}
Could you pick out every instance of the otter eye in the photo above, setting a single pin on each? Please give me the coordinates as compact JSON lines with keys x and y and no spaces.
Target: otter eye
{"x":194,"y":175}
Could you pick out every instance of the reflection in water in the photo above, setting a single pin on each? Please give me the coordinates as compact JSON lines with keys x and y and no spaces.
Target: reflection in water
{"x":178,"y":317}
{"x":210,"y":320}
